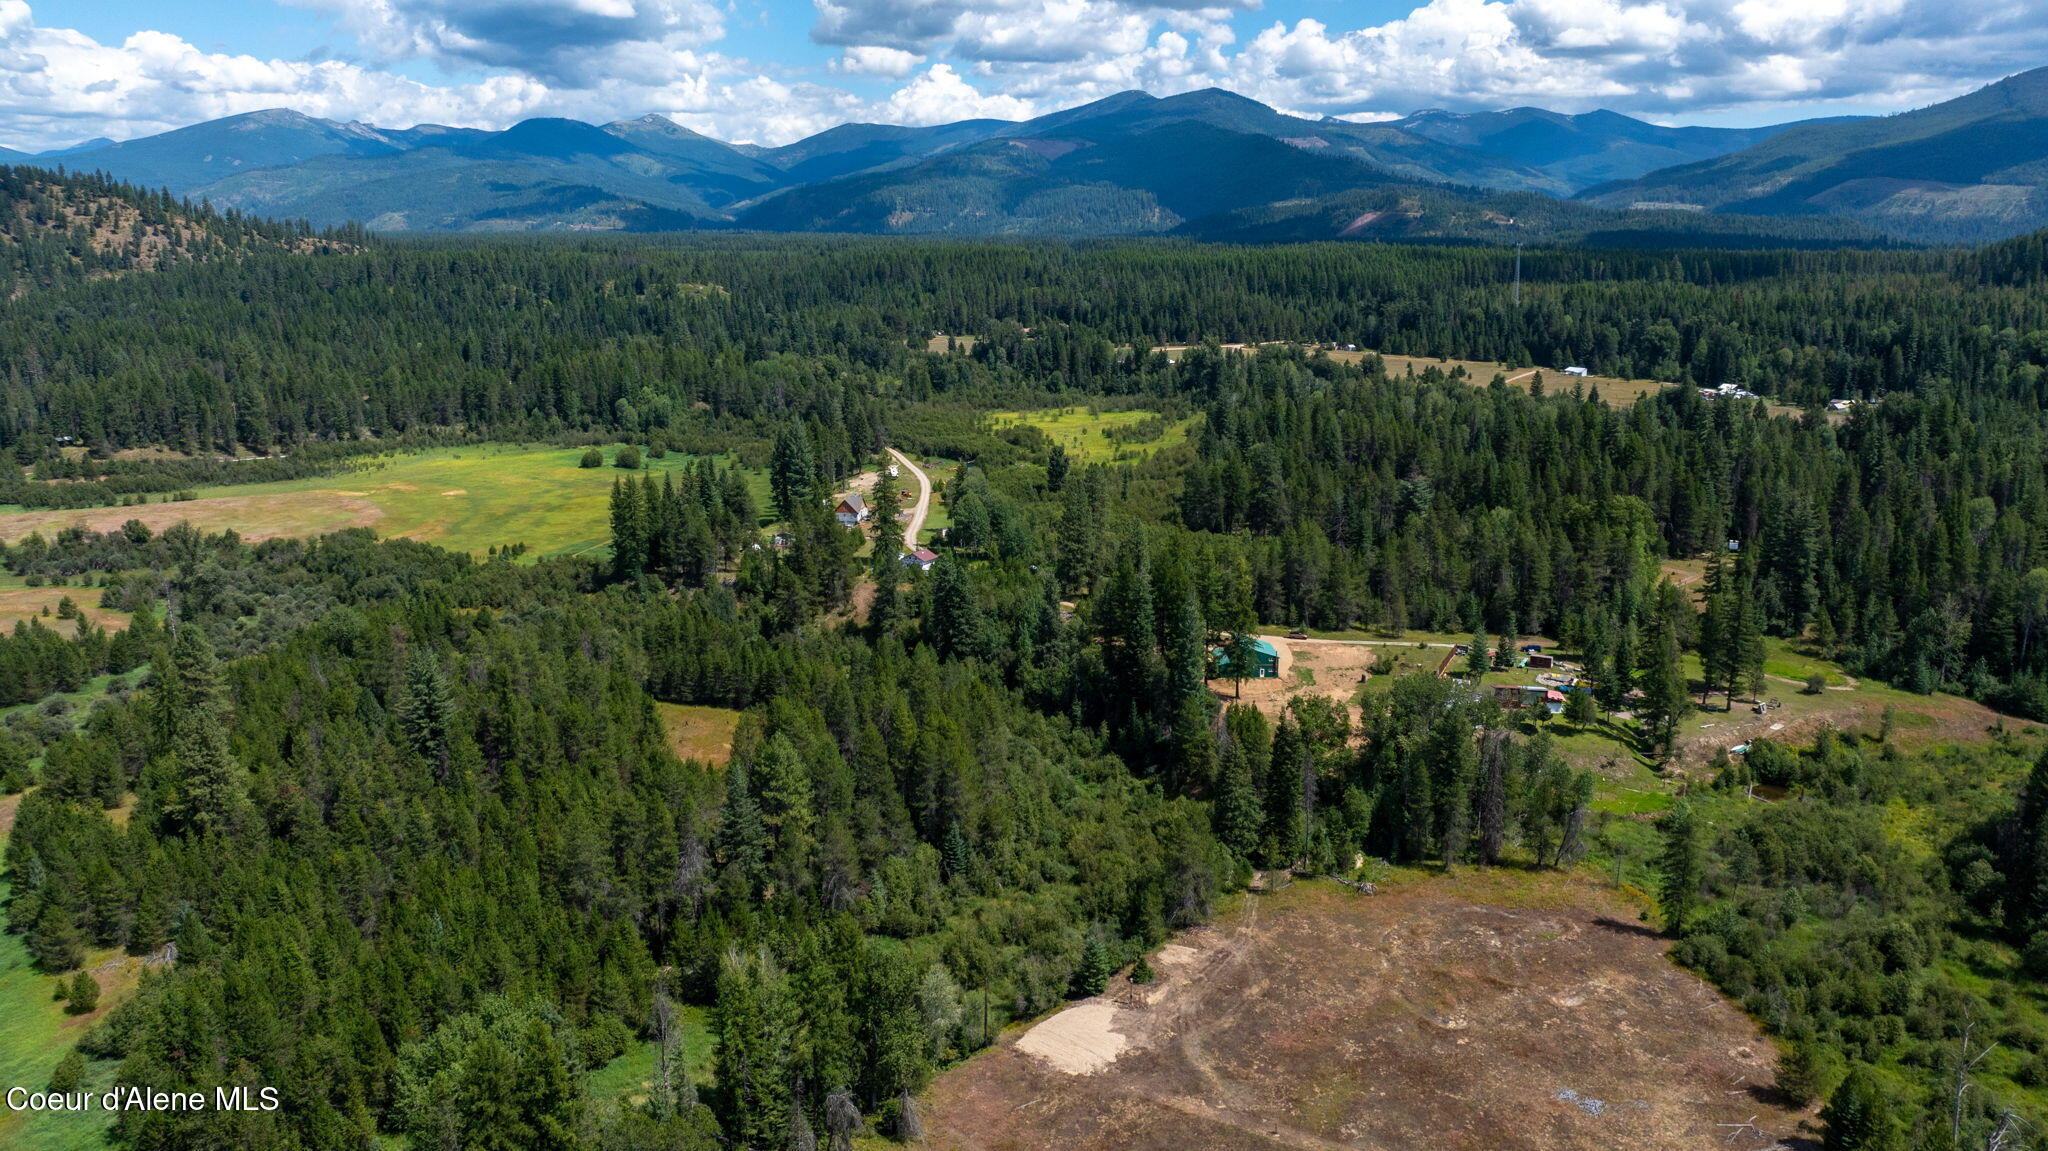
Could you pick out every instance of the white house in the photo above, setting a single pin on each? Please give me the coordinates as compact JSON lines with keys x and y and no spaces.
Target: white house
{"x":852,"y":510}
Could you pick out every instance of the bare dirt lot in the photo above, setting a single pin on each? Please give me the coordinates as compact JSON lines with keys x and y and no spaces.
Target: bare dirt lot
{"x":1481,"y":1011}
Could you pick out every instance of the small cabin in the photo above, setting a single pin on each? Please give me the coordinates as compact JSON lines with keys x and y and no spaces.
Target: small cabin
{"x":1265,"y":662}
{"x":922,"y":559}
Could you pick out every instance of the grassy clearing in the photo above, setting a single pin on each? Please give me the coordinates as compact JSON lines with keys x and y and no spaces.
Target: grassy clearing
{"x":632,"y":1073}
{"x":35,"y":1033}
{"x":71,"y":708}
{"x":700,"y":733}
{"x":19,"y":602}
{"x":1084,"y":432}
{"x":465,"y":499}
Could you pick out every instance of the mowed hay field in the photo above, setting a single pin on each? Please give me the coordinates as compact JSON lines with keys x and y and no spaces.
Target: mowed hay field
{"x":465,"y":499}
{"x":1482,"y":1011}
{"x":1081,"y":431}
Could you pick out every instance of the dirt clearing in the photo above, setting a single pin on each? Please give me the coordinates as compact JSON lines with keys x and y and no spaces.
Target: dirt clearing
{"x":1479,"y":1011}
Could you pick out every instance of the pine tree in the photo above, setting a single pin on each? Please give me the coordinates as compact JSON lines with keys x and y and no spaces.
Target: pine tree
{"x":1184,"y":643}
{"x":1859,"y":1115}
{"x":629,"y":531}
{"x":743,"y":841}
{"x":425,"y":708}
{"x":1056,"y":467}
{"x":487,"y":1100}
{"x":752,"y":1019}
{"x":85,"y":994}
{"x":210,"y":793}
{"x":1665,"y":699}
{"x":955,"y":854}
{"x":954,"y":621}
{"x":792,"y":470}
{"x":1284,"y":830}
{"x":1096,"y":966}
{"x":1240,"y":822}
{"x":1681,"y":863}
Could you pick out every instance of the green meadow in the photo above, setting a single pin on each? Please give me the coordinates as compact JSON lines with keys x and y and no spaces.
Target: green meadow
{"x":467,"y":499}
{"x":1084,"y":432}
{"x":35,"y":1033}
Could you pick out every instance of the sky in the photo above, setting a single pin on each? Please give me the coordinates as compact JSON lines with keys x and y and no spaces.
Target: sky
{"x":771,"y":71}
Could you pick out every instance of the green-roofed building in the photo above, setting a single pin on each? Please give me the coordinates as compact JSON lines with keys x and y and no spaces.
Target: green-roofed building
{"x":1265,"y":661}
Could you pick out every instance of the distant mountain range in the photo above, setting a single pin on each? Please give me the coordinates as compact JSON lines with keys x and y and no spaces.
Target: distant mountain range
{"x":1207,"y":163}
{"x":1972,"y":168}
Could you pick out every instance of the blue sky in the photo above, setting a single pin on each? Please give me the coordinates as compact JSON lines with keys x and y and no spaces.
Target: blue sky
{"x":774,"y":70}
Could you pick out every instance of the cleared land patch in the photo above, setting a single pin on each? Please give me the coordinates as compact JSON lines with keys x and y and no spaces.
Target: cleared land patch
{"x":1090,"y":436}
{"x":19,"y":602}
{"x":465,"y":499}
{"x":700,"y":733}
{"x":1471,"y":1011}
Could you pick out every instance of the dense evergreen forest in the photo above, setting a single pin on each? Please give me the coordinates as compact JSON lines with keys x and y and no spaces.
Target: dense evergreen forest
{"x":400,"y":828}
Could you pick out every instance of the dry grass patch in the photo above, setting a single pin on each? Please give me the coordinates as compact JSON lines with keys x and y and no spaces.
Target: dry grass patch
{"x":19,"y":602}
{"x":700,"y":733}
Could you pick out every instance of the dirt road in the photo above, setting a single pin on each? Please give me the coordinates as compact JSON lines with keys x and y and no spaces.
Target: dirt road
{"x":913,"y":520}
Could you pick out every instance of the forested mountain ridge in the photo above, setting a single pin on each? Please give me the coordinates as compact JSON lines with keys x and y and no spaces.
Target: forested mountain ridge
{"x":1967,"y":169}
{"x":551,"y":174}
{"x":55,"y":228}
{"x":1585,"y":149}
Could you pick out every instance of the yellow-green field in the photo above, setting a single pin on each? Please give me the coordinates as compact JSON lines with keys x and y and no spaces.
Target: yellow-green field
{"x":700,"y":733}
{"x":465,"y":499}
{"x":1083,"y":431}
{"x":19,"y":602}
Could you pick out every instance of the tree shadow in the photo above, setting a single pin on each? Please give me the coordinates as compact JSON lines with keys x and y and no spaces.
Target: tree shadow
{"x":1620,"y":927}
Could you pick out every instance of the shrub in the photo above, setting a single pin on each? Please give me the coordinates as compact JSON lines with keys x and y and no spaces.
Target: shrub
{"x":1816,"y":683}
{"x":592,"y":458}
{"x":85,"y":994}
{"x":628,"y":459}
{"x":69,"y":1074}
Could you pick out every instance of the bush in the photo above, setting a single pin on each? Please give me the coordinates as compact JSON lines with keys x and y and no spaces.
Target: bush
{"x":592,"y":458}
{"x":1141,"y":972}
{"x":85,"y":994}
{"x":628,"y":459}
{"x":70,"y":1073}
{"x":1816,"y":683}
{"x":1809,"y":1070}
